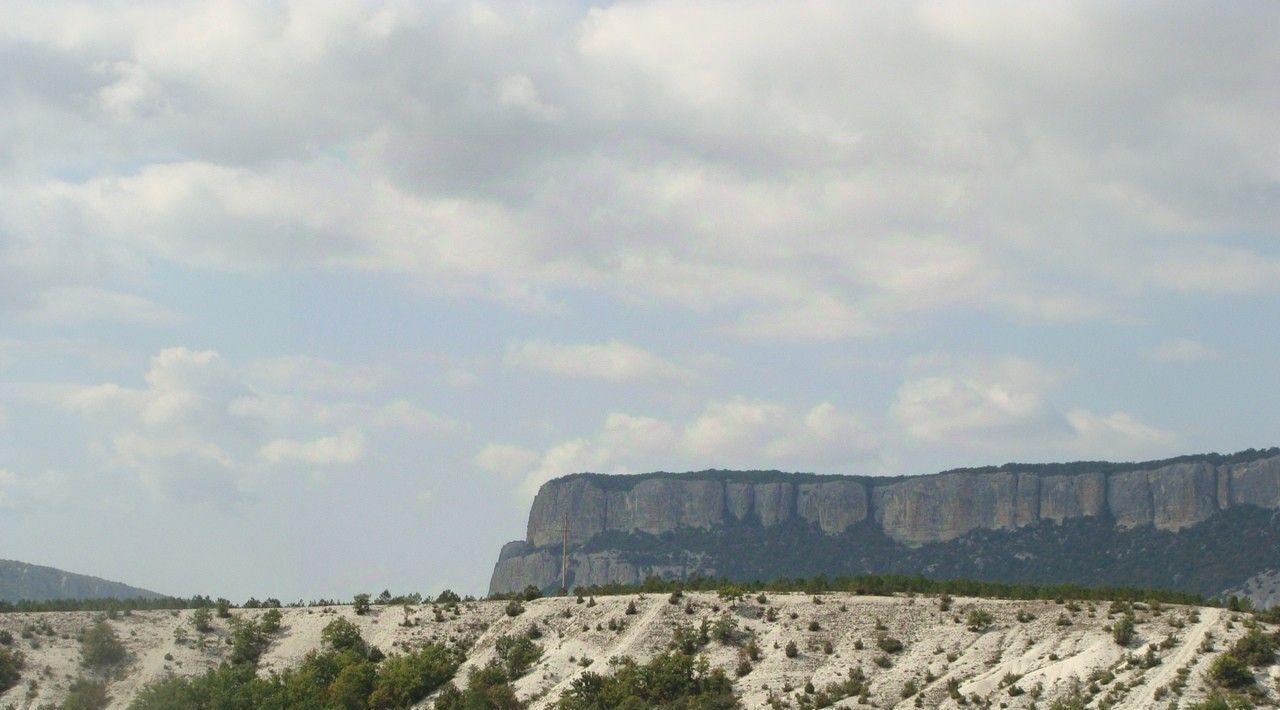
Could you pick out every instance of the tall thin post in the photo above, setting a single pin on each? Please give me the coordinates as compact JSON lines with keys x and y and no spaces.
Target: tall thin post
{"x":564,"y":556}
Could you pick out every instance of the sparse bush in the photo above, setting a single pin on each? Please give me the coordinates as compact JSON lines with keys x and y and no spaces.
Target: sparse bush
{"x":792,"y":650}
{"x":85,"y":694}
{"x":342,"y":635}
{"x":979,"y":620}
{"x":1228,"y":671}
{"x":270,"y":622}
{"x":360,"y":605}
{"x":889,"y":644}
{"x":517,"y":654}
{"x":101,"y":648}
{"x":631,"y":608}
{"x":201,"y":619}
{"x":224,"y":608}
{"x":1123,"y":630}
{"x":1255,"y":648}
{"x":11,"y":665}
{"x":514,"y":608}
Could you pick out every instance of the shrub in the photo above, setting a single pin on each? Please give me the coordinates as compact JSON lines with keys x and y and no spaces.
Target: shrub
{"x":1123,"y":630}
{"x":792,"y":650}
{"x":224,"y":608}
{"x":725,"y":629}
{"x":631,"y":608}
{"x":514,"y":608}
{"x":669,"y":680}
{"x":11,"y":665}
{"x":979,"y":620}
{"x":6,"y":638}
{"x":270,"y":622}
{"x":815,"y":626}
{"x":1218,"y":701}
{"x":448,"y":596}
{"x":342,"y":635}
{"x":201,"y":619}
{"x":247,"y":642}
{"x":1255,"y":648}
{"x":361,"y":604}
{"x":889,"y":644}
{"x":403,"y":680}
{"x":517,"y":654}
{"x":101,"y":648}
{"x":487,"y":689}
{"x":1228,"y":671}
{"x":85,"y":694}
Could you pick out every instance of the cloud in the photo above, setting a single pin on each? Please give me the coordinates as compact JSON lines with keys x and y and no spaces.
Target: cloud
{"x":1006,"y":406}
{"x":36,"y":493}
{"x":734,"y":433}
{"x":345,"y":448}
{"x":202,"y":427}
{"x":1182,"y":350}
{"x":614,"y":361}
{"x":801,"y":172}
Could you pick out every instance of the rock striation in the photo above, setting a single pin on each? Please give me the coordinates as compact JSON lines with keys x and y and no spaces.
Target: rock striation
{"x":911,"y":511}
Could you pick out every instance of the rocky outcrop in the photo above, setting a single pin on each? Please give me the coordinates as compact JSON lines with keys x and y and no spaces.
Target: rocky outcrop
{"x":912,"y":511}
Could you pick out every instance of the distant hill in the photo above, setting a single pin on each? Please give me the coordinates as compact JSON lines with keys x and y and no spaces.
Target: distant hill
{"x":21,"y":581}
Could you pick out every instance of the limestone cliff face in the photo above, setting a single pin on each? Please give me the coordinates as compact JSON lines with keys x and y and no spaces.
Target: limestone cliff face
{"x":910,"y":510}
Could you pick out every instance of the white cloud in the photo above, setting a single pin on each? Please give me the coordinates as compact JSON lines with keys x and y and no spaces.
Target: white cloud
{"x":40,"y":492}
{"x":505,"y":459}
{"x":205,"y":428}
{"x":1007,"y":407}
{"x":797,"y":172}
{"x":736,"y":433}
{"x":345,"y":448}
{"x":614,"y":360}
{"x":1182,"y":350}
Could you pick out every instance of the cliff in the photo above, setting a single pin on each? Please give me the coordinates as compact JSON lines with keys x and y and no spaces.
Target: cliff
{"x":615,"y":521}
{"x":21,"y":581}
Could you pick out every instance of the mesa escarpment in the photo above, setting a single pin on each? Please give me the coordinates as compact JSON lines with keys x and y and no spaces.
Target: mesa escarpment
{"x":603,"y":512}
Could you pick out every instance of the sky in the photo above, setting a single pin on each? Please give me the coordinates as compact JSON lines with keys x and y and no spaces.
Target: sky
{"x":304,"y":299}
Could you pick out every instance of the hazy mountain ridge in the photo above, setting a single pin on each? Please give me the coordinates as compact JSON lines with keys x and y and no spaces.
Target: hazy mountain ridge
{"x":624,"y":528}
{"x":21,"y":581}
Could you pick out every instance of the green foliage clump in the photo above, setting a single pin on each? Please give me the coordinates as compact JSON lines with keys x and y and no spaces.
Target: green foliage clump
{"x":202,"y":619}
{"x":100,"y":647}
{"x":514,"y":608}
{"x":361,"y":604}
{"x":342,"y":635}
{"x":670,"y":680}
{"x":333,"y":678}
{"x":224,"y":608}
{"x":889,"y":644}
{"x":270,"y":621}
{"x":85,"y":694}
{"x":1228,"y":671}
{"x":247,"y":642}
{"x":1255,"y":648}
{"x":487,"y":689}
{"x":1219,"y":701}
{"x":448,"y":596}
{"x":517,"y":654}
{"x":403,"y":680}
{"x":979,"y":620}
{"x":1123,"y":630}
{"x":11,"y":665}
